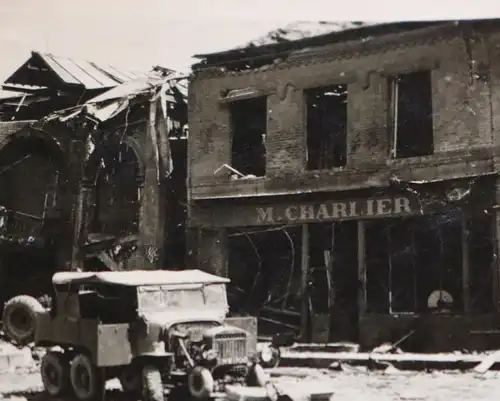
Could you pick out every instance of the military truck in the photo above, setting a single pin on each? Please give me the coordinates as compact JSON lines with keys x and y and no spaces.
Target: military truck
{"x":154,"y":330}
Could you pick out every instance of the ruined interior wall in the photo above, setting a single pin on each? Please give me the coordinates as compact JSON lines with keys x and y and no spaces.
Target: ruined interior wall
{"x":462,"y":114}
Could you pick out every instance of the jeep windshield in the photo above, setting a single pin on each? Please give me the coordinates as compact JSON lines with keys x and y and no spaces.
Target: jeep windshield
{"x":156,"y":298}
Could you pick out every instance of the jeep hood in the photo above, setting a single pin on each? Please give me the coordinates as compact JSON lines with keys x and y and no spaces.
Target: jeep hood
{"x":168,"y":318}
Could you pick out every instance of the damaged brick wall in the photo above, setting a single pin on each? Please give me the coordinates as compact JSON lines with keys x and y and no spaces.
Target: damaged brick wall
{"x":462,"y":113}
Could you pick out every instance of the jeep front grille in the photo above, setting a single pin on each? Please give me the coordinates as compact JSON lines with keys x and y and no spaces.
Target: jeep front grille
{"x":231,"y":348}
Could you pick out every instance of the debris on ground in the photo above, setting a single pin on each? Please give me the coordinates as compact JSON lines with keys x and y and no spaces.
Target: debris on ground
{"x":488,"y":362}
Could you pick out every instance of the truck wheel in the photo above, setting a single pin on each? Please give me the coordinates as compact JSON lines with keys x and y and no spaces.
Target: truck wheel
{"x":152,"y":385}
{"x":130,"y":379}
{"x":86,"y":379}
{"x":200,"y":383}
{"x":257,"y":377}
{"x":55,"y":373}
{"x":19,"y":318}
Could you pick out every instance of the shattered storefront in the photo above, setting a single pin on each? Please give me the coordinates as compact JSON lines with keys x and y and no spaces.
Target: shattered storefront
{"x":367,"y":265}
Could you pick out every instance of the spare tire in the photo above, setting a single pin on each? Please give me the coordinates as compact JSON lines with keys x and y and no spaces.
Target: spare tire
{"x":20,"y":317}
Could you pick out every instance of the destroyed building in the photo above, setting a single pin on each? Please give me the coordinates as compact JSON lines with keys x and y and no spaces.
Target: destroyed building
{"x":351,"y":179}
{"x":79,"y":175}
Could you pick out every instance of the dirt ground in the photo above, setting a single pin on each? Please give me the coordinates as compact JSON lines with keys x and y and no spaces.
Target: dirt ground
{"x":356,"y":384}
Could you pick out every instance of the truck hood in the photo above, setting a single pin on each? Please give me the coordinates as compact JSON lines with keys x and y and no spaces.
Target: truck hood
{"x":167,"y":318}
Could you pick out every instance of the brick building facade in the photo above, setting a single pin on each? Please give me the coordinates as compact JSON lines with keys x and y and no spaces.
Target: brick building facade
{"x":357,"y":172}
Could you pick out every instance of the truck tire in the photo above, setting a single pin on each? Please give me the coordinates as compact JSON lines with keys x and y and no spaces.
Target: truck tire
{"x":55,"y":373}
{"x":86,"y":379}
{"x":20,"y":318}
{"x":152,"y":385}
{"x":130,"y":379}
{"x":200,"y":383}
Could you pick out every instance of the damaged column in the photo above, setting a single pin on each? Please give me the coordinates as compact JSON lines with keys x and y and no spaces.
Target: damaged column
{"x":75,"y":199}
{"x":155,"y":148}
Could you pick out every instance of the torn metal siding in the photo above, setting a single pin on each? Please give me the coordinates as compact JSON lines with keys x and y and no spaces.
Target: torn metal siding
{"x":109,"y":104}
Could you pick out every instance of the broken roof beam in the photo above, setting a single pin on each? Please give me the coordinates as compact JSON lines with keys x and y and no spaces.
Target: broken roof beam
{"x":25,"y":89}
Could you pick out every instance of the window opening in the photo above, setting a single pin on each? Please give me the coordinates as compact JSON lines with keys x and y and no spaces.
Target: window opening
{"x":326,"y":127}
{"x":249,"y":125}
{"x":411,"y":115}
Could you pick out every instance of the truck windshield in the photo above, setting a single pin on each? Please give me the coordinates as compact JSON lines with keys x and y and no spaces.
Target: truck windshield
{"x":213,"y":296}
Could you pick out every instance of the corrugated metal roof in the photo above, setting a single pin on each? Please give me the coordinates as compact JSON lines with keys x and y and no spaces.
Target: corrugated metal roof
{"x":71,"y":72}
{"x":87,"y":74}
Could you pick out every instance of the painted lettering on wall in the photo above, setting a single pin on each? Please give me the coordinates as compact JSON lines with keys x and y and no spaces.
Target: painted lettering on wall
{"x":338,"y":210}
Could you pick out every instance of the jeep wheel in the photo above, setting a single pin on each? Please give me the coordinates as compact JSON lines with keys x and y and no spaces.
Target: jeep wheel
{"x":55,"y":373}
{"x":86,"y":379}
{"x":152,"y":385}
{"x":19,"y":318}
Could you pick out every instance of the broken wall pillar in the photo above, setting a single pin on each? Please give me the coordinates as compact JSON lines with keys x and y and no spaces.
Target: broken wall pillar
{"x":152,"y":200}
{"x":80,"y":223}
{"x":72,"y":207}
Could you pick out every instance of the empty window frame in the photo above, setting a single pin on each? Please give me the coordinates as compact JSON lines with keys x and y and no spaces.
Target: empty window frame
{"x":409,"y":259}
{"x":411,"y":122}
{"x":326,"y":109}
{"x":249,"y":125}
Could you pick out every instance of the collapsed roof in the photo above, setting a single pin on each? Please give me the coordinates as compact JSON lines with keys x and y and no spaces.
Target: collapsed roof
{"x":281,"y":43}
{"x":45,"y":83}
{"x":169,"y":85}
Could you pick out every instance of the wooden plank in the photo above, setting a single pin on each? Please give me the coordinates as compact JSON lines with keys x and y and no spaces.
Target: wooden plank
{"x":487,"y":362}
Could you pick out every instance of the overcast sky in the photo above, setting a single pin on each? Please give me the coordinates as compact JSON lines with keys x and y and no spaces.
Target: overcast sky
{"x":137,"y":34}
